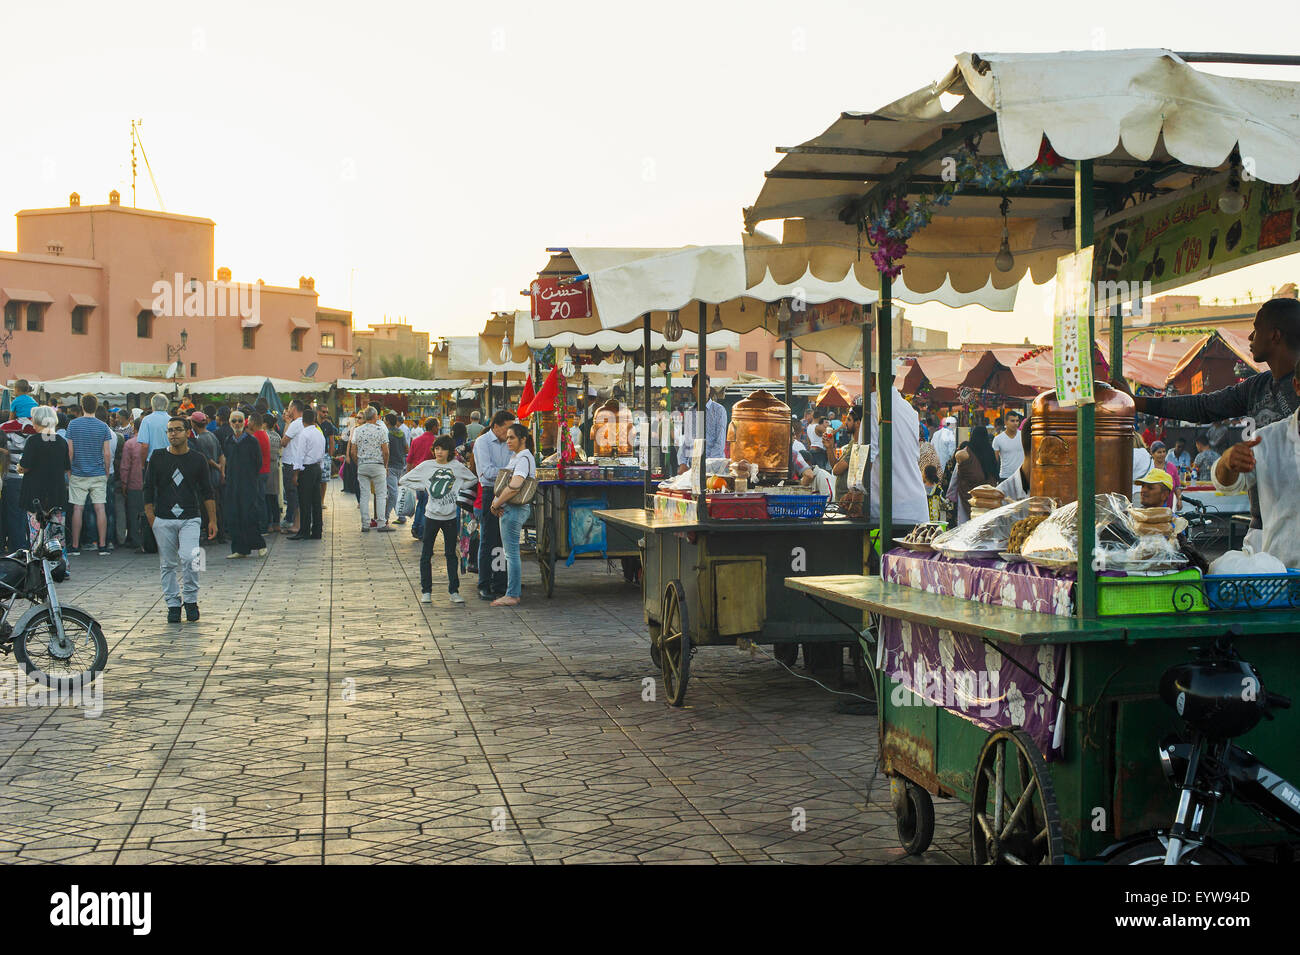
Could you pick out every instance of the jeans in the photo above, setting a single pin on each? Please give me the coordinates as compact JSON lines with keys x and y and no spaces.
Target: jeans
{"x":491,"y":563}
{"x":450,"y":536}
{"x":417,"y":520}
{"x":290,"y":477}
{"x":373,"y":479}
{"x":134,"y":511}
{"x":512,"y":524}
{"x":309,"y":487}
{"x":14,"y":517}
{"x":391,"y":488}
{"x":110,"y":506}
{"x":178,"y":549}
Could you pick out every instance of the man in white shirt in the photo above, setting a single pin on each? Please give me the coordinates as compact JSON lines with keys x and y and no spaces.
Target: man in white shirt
{"x":290,"y":464}
{"x":309,"y":452}
{"x":368,"y":448}
{"x":909,"y":503}
{"x":1008,"y":448}
{"x":490,"y":456}
{"x":1269,"y":462}
{"x":945,"y":442}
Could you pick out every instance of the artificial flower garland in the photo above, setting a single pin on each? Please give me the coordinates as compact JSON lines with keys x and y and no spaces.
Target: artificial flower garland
{"x":900,"y":219}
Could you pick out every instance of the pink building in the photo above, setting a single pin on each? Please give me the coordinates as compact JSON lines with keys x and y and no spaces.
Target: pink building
{"x":111,"y":288}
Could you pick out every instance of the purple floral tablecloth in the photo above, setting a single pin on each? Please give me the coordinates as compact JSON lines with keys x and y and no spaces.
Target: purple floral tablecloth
{"x":991,"y":685}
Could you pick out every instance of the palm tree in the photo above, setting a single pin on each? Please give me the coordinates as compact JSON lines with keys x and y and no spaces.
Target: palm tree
{"x":405,"y":366}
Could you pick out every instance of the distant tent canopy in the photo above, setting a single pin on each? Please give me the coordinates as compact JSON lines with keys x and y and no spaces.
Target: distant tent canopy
{"x":834,"y":395}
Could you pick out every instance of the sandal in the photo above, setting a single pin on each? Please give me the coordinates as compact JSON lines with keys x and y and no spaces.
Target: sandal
{"x":505,"y":602}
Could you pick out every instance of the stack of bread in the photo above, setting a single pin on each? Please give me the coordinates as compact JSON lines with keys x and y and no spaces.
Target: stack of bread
{"x":1148,"y":521}
{"x":984,"y":498}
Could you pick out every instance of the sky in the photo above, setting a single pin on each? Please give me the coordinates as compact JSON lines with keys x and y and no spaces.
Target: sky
{"x":418,"y":159}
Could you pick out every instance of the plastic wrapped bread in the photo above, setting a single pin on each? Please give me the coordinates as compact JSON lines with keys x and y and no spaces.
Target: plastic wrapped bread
{"x":990,"y":531}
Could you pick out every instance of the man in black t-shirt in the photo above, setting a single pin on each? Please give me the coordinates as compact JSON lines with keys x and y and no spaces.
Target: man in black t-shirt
{"x":176,"y":492}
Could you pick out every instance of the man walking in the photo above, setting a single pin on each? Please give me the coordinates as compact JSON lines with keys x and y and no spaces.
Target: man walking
{"x":490,"y":455}
{"x":396,"y":458}
{"x":131,"y":477}
{"x":290,"y":464}
{"x":92,"y":458}
{"x":309,"y":448}
{"x":244,"y":497}
{"x":1008,"y":447}
{"x":151,"y":429}
{"x":369,"y":449}
{"x":176,"y":491}
{"x":475,"y":427}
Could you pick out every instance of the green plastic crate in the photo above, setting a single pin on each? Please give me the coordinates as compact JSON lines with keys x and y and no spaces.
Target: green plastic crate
{"x":1122,"y":596}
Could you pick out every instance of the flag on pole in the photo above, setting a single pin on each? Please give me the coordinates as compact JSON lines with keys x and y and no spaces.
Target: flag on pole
{"x":545,"y":398}
{"x":525,"y":399}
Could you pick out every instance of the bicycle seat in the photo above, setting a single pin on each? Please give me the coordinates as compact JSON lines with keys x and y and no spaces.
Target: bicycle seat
{"x":1222,"y":698}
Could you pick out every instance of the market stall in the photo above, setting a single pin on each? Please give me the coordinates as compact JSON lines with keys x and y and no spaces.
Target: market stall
{"x":730,"y":528}
{"x":104,"y":386}
{"x":1023,"y":675}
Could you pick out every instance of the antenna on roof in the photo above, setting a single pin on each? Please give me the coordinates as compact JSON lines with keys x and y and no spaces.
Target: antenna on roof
{"x":137,"y":141}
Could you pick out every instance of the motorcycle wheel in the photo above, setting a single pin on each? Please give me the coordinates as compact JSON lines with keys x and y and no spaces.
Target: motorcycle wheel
{"x":1152,"y":852}
{"x":89,"y":650}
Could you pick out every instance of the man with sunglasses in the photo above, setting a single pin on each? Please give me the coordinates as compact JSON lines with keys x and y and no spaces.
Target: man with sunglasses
{"x":176,"y":491}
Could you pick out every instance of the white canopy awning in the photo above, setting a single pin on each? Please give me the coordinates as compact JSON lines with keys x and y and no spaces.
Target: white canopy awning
{"x":394,"y":386}
{"x":103,"y":384}
{"x":1118,"y":107}
{"x":251,"y":385}
{"x":463,"y":355}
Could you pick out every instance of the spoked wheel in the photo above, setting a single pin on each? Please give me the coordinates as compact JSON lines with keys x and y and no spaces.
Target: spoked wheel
{"x":913,"y":814}
{"x":544,"y":561}
{"x":67,"y":666}
{"x":656,"y":634}
{"x":675,"y":644}
{"x":786,"y":653}
{"x":1014,"y":820}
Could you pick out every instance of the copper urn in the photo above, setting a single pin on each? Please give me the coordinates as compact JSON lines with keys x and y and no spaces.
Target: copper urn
{"x":611,"y":430}
{"x":1055,"y":443}
{"x":760,"y":434}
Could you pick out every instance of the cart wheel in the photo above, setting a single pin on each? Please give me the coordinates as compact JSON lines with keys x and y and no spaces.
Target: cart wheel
{"x":656,"y":634}
{"x":1014,"y":819}
{"x":786,"y":653}
{"x":675,"y":643}
{"x":913,"y":814}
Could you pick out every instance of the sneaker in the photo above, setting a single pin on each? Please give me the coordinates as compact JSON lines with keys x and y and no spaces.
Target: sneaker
{"x":235,"y":556}
{"x":401,"y":520}
{"x":191,"y":612}
{"x":385,"y":528}
{"x":426,"y":598}
{"x":374,"y":523}
{"x":74,"y":551}
{"x":456,"y":599}
{"x":104,"y":552}
{"x":261,"y":552}
{"x":365,"y":528}
{"x":173,"y":614}
{"x":484,"y":595}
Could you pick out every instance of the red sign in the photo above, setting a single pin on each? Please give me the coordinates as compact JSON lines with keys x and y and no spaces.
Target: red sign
{"x":555,"y":302}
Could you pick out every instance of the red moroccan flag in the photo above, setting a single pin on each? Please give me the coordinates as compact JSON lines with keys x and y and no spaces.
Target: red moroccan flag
{"x":544,"y":398}
{"x":526,"y":398}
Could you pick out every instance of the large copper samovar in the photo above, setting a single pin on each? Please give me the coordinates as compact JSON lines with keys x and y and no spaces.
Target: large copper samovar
{"x":1055,"y":445}
{"x":611,"y":430}
{"x":760,"y":434}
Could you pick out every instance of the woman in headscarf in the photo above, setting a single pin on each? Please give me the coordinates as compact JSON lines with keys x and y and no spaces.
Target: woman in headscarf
{"x":976,"y":465}
{"x":244,"y":495}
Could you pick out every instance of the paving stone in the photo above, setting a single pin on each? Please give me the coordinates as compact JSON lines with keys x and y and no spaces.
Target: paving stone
{"x":319,"y":714}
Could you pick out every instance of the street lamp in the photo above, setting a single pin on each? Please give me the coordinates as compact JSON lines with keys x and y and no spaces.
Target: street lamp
{"x":4,"y":343}
{"x":353,"y":364}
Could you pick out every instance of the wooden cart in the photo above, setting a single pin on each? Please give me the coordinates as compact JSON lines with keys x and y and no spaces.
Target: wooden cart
{"x":720,"y":582}
{"x":552,"y":518}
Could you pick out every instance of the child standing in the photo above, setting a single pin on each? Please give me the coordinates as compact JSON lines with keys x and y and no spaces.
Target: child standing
{"x":442,"y":478}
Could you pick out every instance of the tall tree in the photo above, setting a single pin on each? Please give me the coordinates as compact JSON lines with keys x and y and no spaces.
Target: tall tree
{"x":405,"y":366}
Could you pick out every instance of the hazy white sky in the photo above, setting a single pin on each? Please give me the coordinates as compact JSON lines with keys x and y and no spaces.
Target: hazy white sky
{"x":418,"y":158}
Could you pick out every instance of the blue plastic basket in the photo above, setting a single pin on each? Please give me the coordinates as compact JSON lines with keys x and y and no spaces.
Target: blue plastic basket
{"x":1253,"y":591}
{"x":804,"y":507}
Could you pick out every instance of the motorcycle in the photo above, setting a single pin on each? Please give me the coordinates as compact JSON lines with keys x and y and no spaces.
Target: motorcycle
{"x":58,"y":646}
{"x":1220,"y":697}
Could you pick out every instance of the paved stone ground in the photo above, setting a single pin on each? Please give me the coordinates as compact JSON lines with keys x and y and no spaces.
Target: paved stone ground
{"x":319,"y":713}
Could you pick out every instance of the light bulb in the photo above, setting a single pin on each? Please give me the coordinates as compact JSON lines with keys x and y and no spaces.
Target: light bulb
{"x":505,"y":349}
{"x":1232,"y":201}
{"x":1004,"y":260}
{"x":568,"y":367}
{"x":673,"y":327}
{"x":675,"y":365}
{"x":717,"y":319}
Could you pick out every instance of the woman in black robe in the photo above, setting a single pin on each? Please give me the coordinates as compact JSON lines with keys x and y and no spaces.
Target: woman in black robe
{"x":243,"y":494}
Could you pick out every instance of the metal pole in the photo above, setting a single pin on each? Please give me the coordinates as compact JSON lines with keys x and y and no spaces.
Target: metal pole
{"x":789,"y":381}
{"x":645,"y":377}
{"x":489,"y":396}
{"x":702,"y":399}
{"x":1117,"y":342}
{"x":885,"y":387}
{"x":1086,"y":418}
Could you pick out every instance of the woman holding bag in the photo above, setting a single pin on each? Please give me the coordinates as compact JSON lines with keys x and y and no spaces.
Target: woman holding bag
{"x":511,"y":502}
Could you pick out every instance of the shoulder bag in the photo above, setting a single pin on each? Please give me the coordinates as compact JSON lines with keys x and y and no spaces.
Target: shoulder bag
{"x":527,"y":491}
